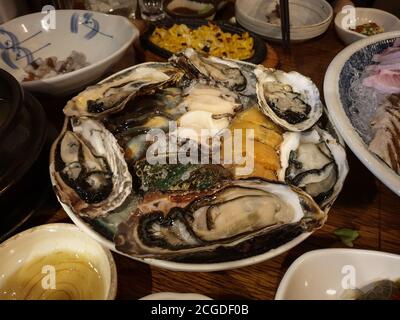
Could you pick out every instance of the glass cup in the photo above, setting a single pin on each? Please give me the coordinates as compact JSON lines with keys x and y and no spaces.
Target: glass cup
{"x":152,"y":10}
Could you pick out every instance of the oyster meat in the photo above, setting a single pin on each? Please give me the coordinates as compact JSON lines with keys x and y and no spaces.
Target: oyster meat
{"x":88,"y":169}
{"x":206,"y":110}
{"x":315,"y":162}
{"x":170,"y":226}
{"x":289,"y":99}
{"x":112,"y":95}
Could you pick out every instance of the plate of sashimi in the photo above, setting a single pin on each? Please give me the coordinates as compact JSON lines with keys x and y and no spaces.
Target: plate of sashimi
{"x":362,"y":93}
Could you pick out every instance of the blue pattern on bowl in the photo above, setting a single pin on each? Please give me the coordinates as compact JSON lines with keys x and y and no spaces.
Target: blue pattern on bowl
{"x":13,"y":51}
{"x":357,"y":63}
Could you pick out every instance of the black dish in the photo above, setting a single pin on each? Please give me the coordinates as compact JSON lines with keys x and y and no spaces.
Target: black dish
{"x":260,"y":49}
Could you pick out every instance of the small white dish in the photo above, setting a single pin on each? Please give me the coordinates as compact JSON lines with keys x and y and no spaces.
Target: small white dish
{"x":102,"y":38}
{"x":175,"y":296}
{"x":382,"y":18}
{"x":47,"y":239}
{"x":326,"y":274}
{"x":308,"y":19}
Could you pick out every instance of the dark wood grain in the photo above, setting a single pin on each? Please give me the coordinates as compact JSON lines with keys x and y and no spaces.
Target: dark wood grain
{"x":365,"y":204}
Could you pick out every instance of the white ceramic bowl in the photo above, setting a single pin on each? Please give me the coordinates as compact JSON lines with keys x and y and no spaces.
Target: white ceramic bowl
{"x":47,"y":239}
{"x":342,"y":122}
{"x":384,"y":19}
{"x":326,"y":274}
{"x":102,"y":38}
{"x":309,"y":19}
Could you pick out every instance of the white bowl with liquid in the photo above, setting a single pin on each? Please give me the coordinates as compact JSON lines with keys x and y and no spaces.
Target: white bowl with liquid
{"x":36,"y":245}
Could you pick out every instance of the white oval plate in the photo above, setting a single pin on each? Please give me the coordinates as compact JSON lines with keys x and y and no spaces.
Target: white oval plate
{"x":187,"y":267}
{"x":325,"y":274}
{"x":342,"y":122}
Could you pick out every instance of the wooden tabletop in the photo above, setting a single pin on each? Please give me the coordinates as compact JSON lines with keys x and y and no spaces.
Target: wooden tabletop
{"x":364,"y":204}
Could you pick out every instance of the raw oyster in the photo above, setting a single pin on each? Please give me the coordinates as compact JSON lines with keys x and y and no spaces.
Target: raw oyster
{"x":226,"y":72}
{"x":146,"y":111}
{"x":315,"y":162}
{"x":206,"y":111}
{"x":88,"y":169}
{"x":235,"y":218}
{"x":289,"y":99}
{"x":112,"y":95}
{"x":218,"y":100}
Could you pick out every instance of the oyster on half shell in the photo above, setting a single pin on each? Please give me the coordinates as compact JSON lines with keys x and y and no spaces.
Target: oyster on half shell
{"x":221,"y":71}
{"x":112,"y":95}
{"x":88,"y":169}
{"x":314,"y":161}
{"x":289,"y":99}
{"x":231,"y":218}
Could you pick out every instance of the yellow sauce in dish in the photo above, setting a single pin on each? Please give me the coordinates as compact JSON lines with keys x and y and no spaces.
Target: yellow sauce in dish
{"x":62,"y":275}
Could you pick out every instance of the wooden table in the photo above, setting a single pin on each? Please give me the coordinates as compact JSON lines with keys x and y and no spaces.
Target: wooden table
{"x":365,"y":204}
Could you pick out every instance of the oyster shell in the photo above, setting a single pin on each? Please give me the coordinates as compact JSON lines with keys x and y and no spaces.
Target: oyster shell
{"x":289,"y":99}
{"x":146,"y":111}
{"x":315,"y":162}
{"x":88,"y":170}
{"x":172,"y":226}
{"x":226,"y":72}
{"x":112,"y":95}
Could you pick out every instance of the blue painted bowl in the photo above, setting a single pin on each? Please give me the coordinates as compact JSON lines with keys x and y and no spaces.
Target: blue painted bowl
{"x":102,"y":38}
{"x":353,"y":122}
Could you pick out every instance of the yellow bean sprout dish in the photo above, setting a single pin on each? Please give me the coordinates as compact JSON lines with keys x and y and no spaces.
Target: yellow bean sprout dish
{"x":208,"y":38}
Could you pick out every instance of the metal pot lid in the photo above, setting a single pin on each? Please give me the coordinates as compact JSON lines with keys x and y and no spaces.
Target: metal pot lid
{"x":11,"y":97}
{"x":21,"y":144}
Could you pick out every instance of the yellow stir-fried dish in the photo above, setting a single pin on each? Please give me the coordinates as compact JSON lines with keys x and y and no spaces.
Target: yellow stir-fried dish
{"x":208,"y":39}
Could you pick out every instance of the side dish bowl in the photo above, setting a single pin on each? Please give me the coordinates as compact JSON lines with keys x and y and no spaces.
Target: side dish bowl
{"x":320,"y":274}
{"x":102,"y":38}
{"x":48,"y":239}
{"x":382,"y":18}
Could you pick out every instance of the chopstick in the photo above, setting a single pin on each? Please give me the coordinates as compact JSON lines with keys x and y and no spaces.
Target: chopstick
{"x":285,"y":22}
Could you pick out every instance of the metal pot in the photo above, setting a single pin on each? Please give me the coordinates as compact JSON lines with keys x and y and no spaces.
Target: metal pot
{"x":24,"y":161}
